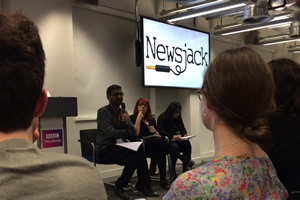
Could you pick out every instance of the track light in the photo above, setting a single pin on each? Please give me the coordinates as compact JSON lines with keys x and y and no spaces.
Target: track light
{"x":204,"y":11}
{"x":251,"y":27}
{"x":294,"y":50}
{"x":284,"y":40}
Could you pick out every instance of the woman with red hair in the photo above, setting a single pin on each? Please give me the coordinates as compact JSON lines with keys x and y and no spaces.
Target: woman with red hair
{"x":145,"y":126}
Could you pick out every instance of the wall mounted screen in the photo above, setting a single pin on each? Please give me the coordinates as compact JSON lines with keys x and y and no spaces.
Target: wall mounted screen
{"x":173,"y":56}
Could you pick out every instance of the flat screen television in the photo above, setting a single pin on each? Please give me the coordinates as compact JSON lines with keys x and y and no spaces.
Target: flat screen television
{"x":173,"y":56}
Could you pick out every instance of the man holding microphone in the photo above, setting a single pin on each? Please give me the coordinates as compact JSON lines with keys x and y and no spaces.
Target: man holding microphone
{"x":114,"y":125}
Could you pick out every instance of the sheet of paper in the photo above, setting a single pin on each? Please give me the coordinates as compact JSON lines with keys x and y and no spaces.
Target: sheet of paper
{"x":188,"y":137}
{"x":130,"y":145}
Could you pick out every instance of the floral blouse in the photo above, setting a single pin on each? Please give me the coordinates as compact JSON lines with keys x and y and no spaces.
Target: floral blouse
{"x":229,"y":178}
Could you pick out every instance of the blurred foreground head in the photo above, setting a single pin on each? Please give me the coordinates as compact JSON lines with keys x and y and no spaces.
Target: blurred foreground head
{"x":22,"y":69}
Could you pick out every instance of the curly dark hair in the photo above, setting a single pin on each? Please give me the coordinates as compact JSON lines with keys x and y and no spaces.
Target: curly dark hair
{"x":22,"y":70}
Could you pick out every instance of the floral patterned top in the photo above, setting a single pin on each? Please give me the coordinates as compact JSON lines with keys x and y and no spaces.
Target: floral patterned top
{"x":229,"y":178}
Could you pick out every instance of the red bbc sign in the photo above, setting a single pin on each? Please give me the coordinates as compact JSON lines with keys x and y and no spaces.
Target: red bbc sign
{"x":52,"y":138}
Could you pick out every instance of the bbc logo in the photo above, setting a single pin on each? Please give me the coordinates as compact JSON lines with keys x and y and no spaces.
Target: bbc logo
{"x":52,"y":135}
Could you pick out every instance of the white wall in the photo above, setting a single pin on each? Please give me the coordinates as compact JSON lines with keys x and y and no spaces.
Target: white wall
{"x":85,"y":53}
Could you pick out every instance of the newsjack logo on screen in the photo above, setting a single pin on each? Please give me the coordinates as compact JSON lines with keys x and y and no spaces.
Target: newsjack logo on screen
{"x":181,"y":56}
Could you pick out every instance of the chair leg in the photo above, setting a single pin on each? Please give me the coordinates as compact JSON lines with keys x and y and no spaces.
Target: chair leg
{"x":171,"y":170}
{"x":152,"y":170}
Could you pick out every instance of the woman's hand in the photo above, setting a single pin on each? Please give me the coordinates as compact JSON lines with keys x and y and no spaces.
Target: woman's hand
{"x":176,"y":137}
{"x":153,"y":130}
{"x":140,"y":116}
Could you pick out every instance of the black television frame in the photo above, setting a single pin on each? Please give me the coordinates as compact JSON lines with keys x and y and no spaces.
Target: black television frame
{"x":140,"y":52}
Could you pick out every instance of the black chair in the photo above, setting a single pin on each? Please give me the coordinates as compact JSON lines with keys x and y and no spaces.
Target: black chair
{"x":170,"y":169}
{"x":295,"y":195}
{"x":88,"y":146}
{"x":87,"y":141}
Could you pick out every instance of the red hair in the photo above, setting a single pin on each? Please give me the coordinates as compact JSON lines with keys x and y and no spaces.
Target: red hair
{"x":148,"y":114}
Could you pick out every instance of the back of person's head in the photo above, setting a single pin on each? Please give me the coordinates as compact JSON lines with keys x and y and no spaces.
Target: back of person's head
{"x":172,"y":107}
{"x":111,"y":88}
{"x":239,"y":88}
{"x":144,"y":101}
{"x":286,"y":74}
{"x":22,"y":69}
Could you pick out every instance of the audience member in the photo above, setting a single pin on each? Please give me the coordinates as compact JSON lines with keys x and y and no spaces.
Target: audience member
{"x":145,"y":126}
{"x":114,"y":124}
{"x":285,"y":122}
{"x":171,"y":125}
{"x":237,"y":97}
{"x":26,"y":172}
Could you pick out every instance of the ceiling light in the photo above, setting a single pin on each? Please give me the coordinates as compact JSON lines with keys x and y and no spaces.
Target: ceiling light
{"x":181,"y":1}
{"x":204,"y":11}
{"x":279,"y":25}
{"x":257,"y":28}
{"x":251,"y":27}
{"x":294,"y":50}
{"x":283,"y":36}
{"x":231,"y":26}
{"x":279,"y":42}
{"x":189,"y":7}
{"x":294,"y":47}
{"x":279,"y":18}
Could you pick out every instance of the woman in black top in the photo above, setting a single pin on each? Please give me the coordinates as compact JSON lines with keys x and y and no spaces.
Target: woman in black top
{"x":171,"y":125}
{"x":146,"y":129}
{"x":285,"y":122}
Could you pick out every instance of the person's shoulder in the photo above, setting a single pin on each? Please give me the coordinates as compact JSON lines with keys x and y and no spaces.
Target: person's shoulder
{"x":161,"y":116}
{"x":78,"y":171}
{"x":106,"y":107}
{"x":187,"y":184}
{"x":65,"y":160}
{"x":73,"y":163}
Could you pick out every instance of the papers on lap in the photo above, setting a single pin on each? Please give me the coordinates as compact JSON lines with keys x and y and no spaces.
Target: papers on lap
{"x":188,"y":137}
{"x":130,"y":145}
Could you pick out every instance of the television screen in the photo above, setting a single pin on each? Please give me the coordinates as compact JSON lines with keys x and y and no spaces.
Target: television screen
{"x":173,"y":56}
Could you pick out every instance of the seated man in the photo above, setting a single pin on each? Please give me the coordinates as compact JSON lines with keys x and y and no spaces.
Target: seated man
{"x":114,"y":125}
{"x":25,"y":171}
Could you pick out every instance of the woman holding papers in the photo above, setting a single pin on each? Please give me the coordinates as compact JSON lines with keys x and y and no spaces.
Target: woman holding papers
{"x":236,"y":98}
{"x":171,"y":125}
{"x":146,"y":129}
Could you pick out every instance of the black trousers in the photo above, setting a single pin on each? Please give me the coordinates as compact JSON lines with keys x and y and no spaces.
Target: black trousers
{"x":131,"y":160}
{"x":181,"y":146}
{"x":159,"y":147}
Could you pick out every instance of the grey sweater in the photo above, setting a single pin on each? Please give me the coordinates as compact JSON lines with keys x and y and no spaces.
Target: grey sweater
{"x":28,"y":173}
{"x":109,"y":130}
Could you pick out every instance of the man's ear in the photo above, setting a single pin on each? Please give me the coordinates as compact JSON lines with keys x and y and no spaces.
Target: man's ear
{"x":41,"y":103}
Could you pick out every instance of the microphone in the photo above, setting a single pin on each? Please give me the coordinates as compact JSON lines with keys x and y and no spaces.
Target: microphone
{"x":122,"y":108}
